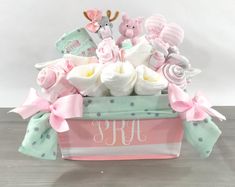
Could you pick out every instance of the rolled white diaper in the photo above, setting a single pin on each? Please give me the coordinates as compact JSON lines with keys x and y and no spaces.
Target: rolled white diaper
{"x":149,"y":82}
{"x":119,"y":78}
{"x":140,"y":53}
{"x":86,"y":78}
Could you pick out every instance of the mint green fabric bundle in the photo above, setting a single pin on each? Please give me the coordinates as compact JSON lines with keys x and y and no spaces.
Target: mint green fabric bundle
{"x":202,"y":135}
{"x":40,"y":140}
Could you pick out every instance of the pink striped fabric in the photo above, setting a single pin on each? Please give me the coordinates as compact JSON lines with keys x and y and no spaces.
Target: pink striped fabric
{"x":156,"y":60}
{"x":154,"y":25}
{"x":172,"y":34}
{"x":175,"y":74}
{"x":179,"y":60}
{"x":122,"y":139}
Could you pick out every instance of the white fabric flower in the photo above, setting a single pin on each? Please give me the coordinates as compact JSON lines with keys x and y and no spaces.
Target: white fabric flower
{"x":140,"y":53}
{"x":149,"y":82}
{"x":119,"y":78}
{"x":86,"y":78}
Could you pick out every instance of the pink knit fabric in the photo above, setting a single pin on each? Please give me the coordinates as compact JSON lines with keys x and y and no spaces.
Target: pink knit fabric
{"x":53,"y":82}
{"x":156,"y":60}
{"x":154,"y":25}
{"x":172,"y":34}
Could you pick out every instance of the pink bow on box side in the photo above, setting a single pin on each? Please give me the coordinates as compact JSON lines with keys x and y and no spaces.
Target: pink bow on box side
{"x":94,"y":16}
{"x":196,"y":109}
{"x":70,"y":106}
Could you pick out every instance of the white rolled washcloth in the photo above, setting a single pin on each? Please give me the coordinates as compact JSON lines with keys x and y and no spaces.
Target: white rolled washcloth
{"x":86,"y":78}
{"x":149,"y":82}
{"x":140,"y":53}
{"x":119,"y":78}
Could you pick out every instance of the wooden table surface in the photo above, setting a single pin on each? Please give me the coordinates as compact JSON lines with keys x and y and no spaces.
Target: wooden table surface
{"x":188,"y":170}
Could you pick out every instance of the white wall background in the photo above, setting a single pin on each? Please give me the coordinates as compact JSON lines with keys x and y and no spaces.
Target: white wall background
{"x":29,"y":29}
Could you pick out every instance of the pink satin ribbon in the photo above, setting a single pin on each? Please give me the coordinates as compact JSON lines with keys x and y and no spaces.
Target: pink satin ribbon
{"x":192,"y":109}
{"x":70,"y":106}
{"x":95,"y":16}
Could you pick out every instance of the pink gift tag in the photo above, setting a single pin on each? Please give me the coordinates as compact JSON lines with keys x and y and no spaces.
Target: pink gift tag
{"x":122,"y":139}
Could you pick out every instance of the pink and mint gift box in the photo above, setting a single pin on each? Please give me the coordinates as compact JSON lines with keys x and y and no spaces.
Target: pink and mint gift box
{"x":123,"y":128}
{"x":98,"y":126}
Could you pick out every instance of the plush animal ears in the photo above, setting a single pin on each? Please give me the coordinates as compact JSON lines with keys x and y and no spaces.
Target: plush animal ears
{"x":140,"y":20}
{"x":125,"y":17}
{"x":109,"y":15}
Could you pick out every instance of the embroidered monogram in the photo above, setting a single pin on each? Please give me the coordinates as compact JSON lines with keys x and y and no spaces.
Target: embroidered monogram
{"x":125,"y":131}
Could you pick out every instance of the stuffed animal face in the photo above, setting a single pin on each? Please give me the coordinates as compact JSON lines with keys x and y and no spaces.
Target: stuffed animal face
{"x":105,"y":30}
{"x":100,"y":24}
{"x":130,"y":28}
{"x":105,"y":22}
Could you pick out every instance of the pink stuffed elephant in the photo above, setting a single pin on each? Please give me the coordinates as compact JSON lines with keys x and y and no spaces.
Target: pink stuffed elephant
{"x":130,"y":29}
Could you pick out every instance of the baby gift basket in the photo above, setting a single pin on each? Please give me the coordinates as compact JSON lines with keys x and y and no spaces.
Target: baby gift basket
{"x":119,"y":100}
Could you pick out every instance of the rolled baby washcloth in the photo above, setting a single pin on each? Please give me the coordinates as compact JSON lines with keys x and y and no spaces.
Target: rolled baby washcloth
{"x":172,"y":34}
{"x":52,"y":80}
{"x":86,"y":78}
{"x":156,"y":61}
{"x":183,"y":62}
{"x":149,"y":82}
{"x":179,"y":60}
{"x":119,"y":78}
{"x":140,"y":53}
{"x":154,"y":25}
{"x":159,"y":46}
{"x":107,"y":51}
{"x":175,"y":75}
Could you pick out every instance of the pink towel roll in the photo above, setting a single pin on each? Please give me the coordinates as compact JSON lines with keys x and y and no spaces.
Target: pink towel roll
{"x":154,"y":25}
{"x":156,"y":61}
{"x":175,"y":75}
{"x":172,"y":34}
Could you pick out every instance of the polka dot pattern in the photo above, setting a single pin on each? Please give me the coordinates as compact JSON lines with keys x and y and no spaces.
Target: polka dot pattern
{"x":195,"y":124}
{"x":206,"y":120}
{"x":40,"y":139}
{"x":202,"y":135}
{"x":200,"y":139}
{"x":121,"y":108}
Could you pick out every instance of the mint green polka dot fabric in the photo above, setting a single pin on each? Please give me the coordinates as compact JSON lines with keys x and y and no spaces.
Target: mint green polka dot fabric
{"x":202,"y":135}
{"x":127,"y":107}
{"x":40,"y":140}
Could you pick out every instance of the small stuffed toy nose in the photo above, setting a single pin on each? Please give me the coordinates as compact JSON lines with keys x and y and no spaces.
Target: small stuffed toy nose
{"x":105,"y":32}
{"x":129,"y":33}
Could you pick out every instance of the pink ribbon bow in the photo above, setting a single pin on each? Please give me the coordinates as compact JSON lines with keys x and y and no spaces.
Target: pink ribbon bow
{"x":95,"y":16}
{"x":69,"y":106}
{"x":196,"y":109}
